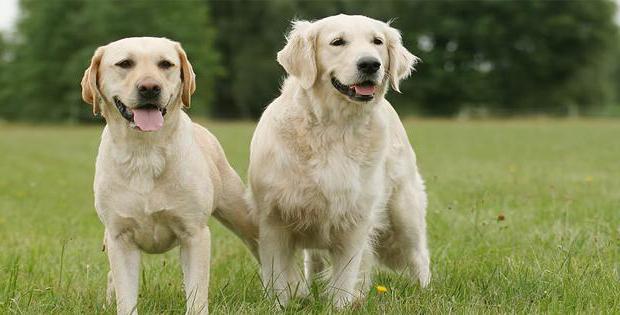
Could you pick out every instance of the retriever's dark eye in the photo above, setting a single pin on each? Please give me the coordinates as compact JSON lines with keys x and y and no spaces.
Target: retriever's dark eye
{"x":165,"y":64}
{"x":125,"y":64}
{"x":377,"y":41}
{"x":337,"y":42}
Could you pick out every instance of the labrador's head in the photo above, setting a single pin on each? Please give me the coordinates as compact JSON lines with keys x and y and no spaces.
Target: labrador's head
{"x":355,"y":55}
{"x":139,"y":79}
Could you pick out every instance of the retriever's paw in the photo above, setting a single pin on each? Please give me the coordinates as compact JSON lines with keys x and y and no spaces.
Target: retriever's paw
{"x":301,"y":291}
{"x":342,"y":301}
{"x":421,"y":268}
{"x":341,"y":298}
{"x":424,"y":278}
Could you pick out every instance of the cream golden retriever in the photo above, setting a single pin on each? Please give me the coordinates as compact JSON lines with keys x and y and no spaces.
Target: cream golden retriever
{"x":331,"y":167}
{"x":159,"y":177}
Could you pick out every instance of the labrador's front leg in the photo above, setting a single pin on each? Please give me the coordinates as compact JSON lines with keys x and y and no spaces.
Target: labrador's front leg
{"x":124,"y":259}
{"x":195,"y":259}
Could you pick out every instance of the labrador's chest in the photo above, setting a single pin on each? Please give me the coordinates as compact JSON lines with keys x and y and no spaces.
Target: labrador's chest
{"x":152,"y":198}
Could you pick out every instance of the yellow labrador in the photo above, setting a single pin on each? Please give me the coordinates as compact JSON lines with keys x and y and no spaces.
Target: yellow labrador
{"x":331,"y":167}
{"x":159,"y":177}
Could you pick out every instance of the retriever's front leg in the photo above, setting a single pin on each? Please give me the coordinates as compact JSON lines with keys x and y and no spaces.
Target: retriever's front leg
{"x":346,"y":259}
{"x":195,"y":259}
{"x":277,"y":253}
{"x":124,"y":259}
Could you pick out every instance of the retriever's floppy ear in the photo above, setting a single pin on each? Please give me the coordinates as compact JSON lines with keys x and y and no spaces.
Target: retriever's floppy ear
{"x":90,"y":89}
{"x":297,"y":57}
{"x":401,"y":60}
{"x":188,"y":77}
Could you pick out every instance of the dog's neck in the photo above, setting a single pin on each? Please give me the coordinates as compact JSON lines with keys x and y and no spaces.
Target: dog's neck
{"x":326,"y":107}
{"x":143,"y":156}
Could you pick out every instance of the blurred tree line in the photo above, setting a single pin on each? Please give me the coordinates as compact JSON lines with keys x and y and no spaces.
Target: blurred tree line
{"x":495,"y":57}
{"x":55,"y":40}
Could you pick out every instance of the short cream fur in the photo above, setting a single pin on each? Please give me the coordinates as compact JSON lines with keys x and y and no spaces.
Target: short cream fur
{"x":157,"y":190}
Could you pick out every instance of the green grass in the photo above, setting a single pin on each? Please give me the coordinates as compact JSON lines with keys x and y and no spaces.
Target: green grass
{"x":558,"y":250}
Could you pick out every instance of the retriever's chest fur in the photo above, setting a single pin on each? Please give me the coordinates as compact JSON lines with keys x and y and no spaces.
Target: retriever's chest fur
{"x":327,"y":173}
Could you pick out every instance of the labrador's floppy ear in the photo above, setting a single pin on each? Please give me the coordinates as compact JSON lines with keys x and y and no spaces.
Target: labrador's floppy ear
{"x":298,"y":56}
{"x":401,"y":60}
{"x":188,"y":77}
{"x":90,"y":88}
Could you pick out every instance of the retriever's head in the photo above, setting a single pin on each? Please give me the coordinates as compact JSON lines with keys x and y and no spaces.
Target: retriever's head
{"x":355,"y":56}
{"x":139,"y":80}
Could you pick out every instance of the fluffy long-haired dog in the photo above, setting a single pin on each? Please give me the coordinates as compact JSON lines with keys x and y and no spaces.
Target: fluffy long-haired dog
{"x":331,"y":167}
{"x":159,"y":177}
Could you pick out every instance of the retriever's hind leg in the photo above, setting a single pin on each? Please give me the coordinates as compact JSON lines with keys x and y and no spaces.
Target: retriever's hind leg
{"x":109,"y":292}
{"x":314,"y":265}
{"x":407,"y":246}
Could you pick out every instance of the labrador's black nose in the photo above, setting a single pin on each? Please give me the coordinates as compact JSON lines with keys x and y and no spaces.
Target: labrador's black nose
{"x":149,"y":88}
{"x":368,"y":65}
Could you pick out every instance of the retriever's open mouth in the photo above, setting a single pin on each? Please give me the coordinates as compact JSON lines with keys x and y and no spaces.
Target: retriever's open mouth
{"x":363,"y":91}
{"x":147,"y":117}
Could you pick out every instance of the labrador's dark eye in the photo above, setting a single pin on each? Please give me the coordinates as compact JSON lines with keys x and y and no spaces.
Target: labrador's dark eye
{"x":125,"y":64}
{"x":377,"y":41}
{"x":165,"y":64}
{"x":337,"y":42}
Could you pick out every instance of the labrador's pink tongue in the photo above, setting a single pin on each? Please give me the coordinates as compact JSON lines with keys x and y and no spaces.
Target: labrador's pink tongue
{"x":364,"y":90}
{"x":148,"y":119}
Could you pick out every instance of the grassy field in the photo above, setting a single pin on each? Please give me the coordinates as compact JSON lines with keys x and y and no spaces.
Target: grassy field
{"x":524,"y":217}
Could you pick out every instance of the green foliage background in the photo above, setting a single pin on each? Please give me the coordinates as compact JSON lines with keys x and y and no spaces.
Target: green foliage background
{"x":483,"y":57}
{"x":56,"y":39}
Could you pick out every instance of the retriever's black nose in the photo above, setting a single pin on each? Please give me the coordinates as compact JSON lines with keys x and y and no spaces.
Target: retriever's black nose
{"x":368,"y":65}
{"x":149,"y":88}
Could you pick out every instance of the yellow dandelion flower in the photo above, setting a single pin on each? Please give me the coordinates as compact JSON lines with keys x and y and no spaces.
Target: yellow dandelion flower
{"x":381,"y":289}
{"x":589,"y":179}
